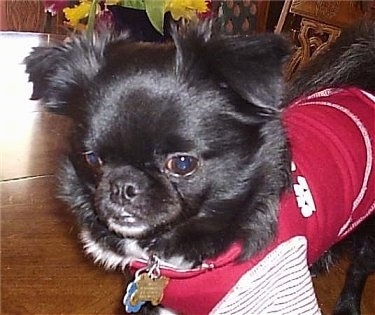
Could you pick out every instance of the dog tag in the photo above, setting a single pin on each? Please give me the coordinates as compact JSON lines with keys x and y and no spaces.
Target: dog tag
{"x":148,"y":286}
{"x":144,"y":289}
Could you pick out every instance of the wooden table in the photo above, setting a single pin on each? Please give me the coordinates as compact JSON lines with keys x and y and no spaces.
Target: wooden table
{"x":43,"y":269}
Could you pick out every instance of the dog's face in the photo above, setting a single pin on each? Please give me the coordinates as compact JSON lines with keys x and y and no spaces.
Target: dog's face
{"x":153,"y":151}
{"x":171,"y":146}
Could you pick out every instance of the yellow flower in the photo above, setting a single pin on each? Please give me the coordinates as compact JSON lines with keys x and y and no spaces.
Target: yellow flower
{"x":186,"y":9}
{"x":79,"y":12}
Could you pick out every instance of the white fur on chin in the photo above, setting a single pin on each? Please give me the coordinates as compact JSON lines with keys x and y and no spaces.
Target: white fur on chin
{"x":111,"y":260}
{"x":127,"y":231}
{"x":107,"y":258}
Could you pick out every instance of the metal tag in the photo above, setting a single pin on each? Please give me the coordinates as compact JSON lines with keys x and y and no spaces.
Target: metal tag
{"x":148,"y":286}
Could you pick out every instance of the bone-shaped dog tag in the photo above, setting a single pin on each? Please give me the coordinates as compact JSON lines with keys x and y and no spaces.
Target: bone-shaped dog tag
{"x":144,"y":288}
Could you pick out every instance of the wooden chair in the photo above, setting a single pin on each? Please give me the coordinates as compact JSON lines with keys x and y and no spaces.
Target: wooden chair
{"x":313,"y":25}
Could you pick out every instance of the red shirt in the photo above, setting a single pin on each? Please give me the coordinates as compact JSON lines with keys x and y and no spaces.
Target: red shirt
{"x":331,"y":135}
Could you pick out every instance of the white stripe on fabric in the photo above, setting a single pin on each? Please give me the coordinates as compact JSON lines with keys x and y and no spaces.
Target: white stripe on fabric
{"x":279,"y":284}
{"x":369,"y":95}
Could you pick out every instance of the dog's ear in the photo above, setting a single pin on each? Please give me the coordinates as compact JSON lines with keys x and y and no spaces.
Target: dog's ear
{"x":252,"y":66}
{"x":62,"y":71}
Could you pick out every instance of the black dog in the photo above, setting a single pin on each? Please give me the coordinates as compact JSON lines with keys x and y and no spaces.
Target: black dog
{"x":180,"y":151}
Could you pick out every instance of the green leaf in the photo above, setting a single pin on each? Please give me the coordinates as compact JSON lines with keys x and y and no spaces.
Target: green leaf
{"x":133,"y":4}
{"x":155,"y":13}
{"x":91,"y":20}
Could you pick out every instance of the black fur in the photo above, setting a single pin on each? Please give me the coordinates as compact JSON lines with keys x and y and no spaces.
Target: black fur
{"x":138,"y":105}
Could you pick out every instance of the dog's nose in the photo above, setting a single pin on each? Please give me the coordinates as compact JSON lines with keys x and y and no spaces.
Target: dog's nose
{"x":122,"y":190}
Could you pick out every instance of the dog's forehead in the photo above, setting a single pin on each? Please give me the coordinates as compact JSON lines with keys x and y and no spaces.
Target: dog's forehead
{"x":152,"y":111}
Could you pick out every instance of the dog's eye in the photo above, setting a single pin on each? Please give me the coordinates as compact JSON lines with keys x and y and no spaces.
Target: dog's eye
{"x":93,"y":159}
{"x":182,"y":165}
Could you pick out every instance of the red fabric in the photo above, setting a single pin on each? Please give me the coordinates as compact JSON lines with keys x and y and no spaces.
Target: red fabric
{"x":331,"y":136}
{"x":332,"y":146}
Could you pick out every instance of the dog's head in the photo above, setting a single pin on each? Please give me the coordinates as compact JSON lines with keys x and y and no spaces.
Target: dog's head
{"x":176,"y":146}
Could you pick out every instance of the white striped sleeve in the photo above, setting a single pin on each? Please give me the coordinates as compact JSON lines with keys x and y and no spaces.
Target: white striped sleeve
{"x":279,"y":284}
